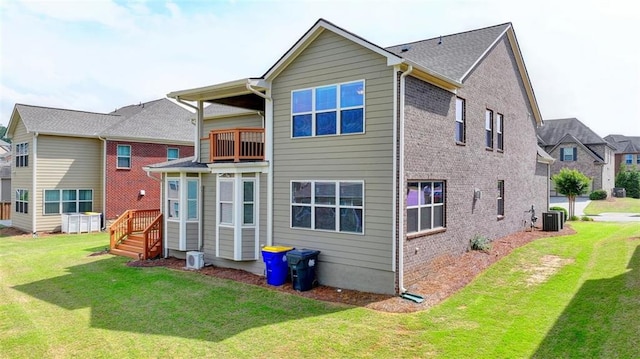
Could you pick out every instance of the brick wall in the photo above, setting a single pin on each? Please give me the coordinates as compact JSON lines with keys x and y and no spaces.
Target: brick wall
{"x":123,"y":185}
{"x":602,"y":175}
{"x":432,"y":154}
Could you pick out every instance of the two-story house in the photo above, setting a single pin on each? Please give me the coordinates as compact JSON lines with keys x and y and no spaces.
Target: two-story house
{"x":576,"y":146}
{"x":627,"y":150}
{"x":384,"y":159}
{"x":68,"y":161}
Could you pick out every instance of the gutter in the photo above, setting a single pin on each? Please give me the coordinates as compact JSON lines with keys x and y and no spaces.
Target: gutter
{"x":401,"y":233}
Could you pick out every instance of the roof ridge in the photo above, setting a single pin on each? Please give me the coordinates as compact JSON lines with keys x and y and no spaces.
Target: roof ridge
{"x":67,"y":109}
{"x":449,"y":35}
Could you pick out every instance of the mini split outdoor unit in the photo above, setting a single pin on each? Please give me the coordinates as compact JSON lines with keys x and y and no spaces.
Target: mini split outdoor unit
{"x":195,"y":260}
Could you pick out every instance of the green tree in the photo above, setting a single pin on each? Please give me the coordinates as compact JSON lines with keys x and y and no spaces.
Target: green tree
{"x":629,"y":179}
{"x":571,"y":183}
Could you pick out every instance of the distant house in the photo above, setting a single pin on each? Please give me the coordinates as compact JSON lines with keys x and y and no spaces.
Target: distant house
{"x":387,"y":160}
{"x":575,"y":146}
{"x":68,"y":161}
{"x":627,"y":150}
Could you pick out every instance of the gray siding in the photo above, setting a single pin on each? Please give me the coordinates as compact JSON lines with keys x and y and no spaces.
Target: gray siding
{"x":432,"y":154}
{"x":331,"y":59}
{"x":192,"y":236}
{"x":173,"y":235}
{"x":223,"y":123}
{"x":225,"y":242}
{"x":67,"y":163}
{"x":22,"y":178}
{"x":248,"y":243}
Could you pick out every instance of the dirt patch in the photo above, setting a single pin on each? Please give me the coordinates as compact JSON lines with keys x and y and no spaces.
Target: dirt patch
{"x":442,"y":281}
{"x":548,"y":266}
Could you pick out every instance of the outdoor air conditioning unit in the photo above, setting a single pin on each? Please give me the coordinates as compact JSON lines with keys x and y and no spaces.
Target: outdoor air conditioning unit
{"x":195,"y":260}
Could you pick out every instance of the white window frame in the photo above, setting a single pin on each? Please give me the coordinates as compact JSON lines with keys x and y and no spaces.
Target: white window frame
{"x":118,"y":156}
{"x":338,"y":110}
{"x":22,"y":154}
{"x":568,"y":158}
{"x":488,"y":129}
{"x":429,"y":206}
{"x":628,"y":159}
{"x":461,"y":118}
{"x":220,"y":201}
{"x":61,"y":201}
{"x":22,"y":201}
{"x":180,"y":200}
{"x":499,"y":132}
{"x":336,"y":206}
{"x":500,"y":198}
{"x":177,"y":150}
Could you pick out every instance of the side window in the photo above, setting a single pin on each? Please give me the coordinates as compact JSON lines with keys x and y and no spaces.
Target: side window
{"x":499,"y":131}
{"x":22,"y":201}
{"x":460,"y":121}
{"x":173,"y":154}
{"x":22,"y":155}
{"x":124,"y":156}
{"x":425,"y":206}
{"x":488,"y":125}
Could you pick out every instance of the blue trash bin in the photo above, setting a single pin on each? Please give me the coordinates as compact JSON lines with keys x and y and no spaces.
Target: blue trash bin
{"x":275,"y":259}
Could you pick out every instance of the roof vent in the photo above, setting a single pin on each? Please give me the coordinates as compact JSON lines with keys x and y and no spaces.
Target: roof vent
{"x":440,"y":40}
{"x":405,"y":48}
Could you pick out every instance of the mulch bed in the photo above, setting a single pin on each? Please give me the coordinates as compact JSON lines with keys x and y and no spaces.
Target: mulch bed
{"x":441,"y":283}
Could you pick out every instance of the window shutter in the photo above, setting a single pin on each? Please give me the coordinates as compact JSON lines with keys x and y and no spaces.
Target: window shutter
{"x":561,"y":154}
{"x":575,"y":153}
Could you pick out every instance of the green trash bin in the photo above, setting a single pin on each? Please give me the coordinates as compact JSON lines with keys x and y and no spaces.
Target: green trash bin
{"x":302,"y":264}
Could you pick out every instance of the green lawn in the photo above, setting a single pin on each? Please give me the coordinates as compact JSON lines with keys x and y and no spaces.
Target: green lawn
{"x":613,"y":205}
{"x":56,"y":301}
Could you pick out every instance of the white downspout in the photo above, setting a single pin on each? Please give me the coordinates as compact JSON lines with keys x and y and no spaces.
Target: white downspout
{"x":268,"y":139}
{"x":402,"y":180}
{"x":394,"y":220}
{"x":104,"y":181}
{"x":34,"y":182}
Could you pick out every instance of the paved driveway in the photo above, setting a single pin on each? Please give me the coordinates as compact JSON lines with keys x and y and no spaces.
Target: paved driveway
{"x":583,"y":202}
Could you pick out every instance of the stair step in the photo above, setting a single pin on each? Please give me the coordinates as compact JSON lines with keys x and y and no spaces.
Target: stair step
{"x":129,"y":247}
{"x":128,"y":254}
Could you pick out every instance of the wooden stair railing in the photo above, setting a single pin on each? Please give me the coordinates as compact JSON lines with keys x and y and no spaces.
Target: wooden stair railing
{"x":147,"y":223}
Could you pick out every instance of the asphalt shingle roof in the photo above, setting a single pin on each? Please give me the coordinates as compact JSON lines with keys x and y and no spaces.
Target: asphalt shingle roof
{"x":157,"y":120}
{"x":451,"y":55}
{"x":554,"y":131}
{"x":624,"y":144}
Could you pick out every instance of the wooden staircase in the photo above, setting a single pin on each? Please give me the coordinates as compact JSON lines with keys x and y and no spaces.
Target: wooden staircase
{"x":137,"y":234}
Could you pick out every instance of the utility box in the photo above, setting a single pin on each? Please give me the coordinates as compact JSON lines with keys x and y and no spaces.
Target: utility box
{"x":80,"y":222}
{"x":551,"y":221}
{"x":619,"y":192}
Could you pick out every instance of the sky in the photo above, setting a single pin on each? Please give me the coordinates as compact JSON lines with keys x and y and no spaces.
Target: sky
{"x":583,"y":57}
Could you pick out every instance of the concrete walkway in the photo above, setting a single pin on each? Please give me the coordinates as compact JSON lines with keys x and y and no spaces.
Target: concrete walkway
{"x":583,"y":202}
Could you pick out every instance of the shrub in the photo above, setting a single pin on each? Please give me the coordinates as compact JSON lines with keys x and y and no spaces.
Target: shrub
{"x":598,"y":195}
{"x":574,"y":218}
{"x":480,"y":243}
{"x":586,"y":218}
{"x":560,"y":209}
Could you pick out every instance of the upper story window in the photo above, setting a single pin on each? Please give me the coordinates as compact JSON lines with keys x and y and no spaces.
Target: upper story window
{"x":628,"y":159}
{"x":58,"y":201}
{"x":22,"y":154}
{"x":124,"y":156}
{"x":461,"y":120}
{"x":173,"y":154}
{"x":488,"y":126}
{"x":328,"y":110}
{"x":22,"y":201}
{"x":328,"y":205}
{"x":638,"y":158}
{"x":499,"y":131}
{"x":568,"y":154}
{"x":425,"y":206}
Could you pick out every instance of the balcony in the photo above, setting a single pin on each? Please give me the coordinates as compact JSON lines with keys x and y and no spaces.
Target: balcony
{"x":236,"y":144}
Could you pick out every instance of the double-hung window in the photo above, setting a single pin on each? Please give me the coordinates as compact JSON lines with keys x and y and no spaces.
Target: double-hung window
{"x":500,"y":199}
{"x":499,"y":130}
{"x":22,"y":155}
{"x":425,"y":206}
{"x":175,"y":197}
{"x":628,"y":159}
{"x":328,"y":205}
{"x":568,"y":154}
{"x":173,"y":154}
{"x":57,"y":201}
{"x":328,"y":110}
{"x":246,"y":201}
{"x":488,"y":126}
{"x":460,"y":120}
{"x":22,"y":201}
{"x":124,"y":156}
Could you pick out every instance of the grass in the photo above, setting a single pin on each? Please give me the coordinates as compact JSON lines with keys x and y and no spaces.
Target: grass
{"x":613,"y":205}
{"x":57,"y":301}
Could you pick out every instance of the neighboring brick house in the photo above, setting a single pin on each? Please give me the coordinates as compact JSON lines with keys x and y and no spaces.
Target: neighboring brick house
{"x":387,"y":160}
{"x":576,"y":146}
{"x":627,"y":150}
{"x":65,"y":161}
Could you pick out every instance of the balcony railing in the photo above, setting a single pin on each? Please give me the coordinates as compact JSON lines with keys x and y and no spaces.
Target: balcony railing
{"x":236,"y":144}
